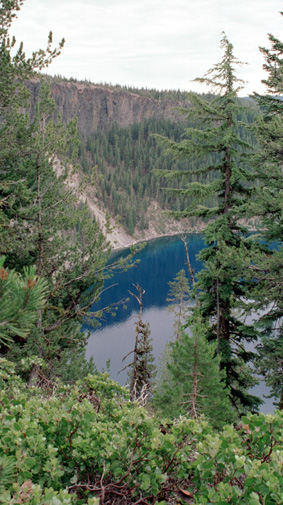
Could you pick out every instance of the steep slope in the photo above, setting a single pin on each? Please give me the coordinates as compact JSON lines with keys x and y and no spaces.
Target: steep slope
{"x":116,"y":126}
{"x":97,"y":107}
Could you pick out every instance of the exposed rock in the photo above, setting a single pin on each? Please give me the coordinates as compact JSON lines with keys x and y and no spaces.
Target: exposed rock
{"x":98,"y":107}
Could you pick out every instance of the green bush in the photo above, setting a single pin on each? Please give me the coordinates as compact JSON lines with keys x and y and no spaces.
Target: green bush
{"x":88,"y":444}
{"x":242,"y":466}
{"x":88,"y":440}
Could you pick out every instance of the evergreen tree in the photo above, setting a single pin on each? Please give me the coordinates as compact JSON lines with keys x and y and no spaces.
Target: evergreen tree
{"x":193,"y":384}
{"x":42,"y":223}
{"x":267,"y":204}
{"x":137,"y":183}
{"x":61,"y":238}
{"x":21,"y":296}
{"x":179,"y":295}
{"x":269,"y":131}
{"x":215,"y":140}
{"x":270,"y":364}
{"x":15,"y":69}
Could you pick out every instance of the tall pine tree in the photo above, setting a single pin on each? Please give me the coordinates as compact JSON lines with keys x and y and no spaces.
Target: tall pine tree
{"x":192,"y":383}
{"x":42,"y":224}
{"x":220,"y":201}
{"x":268,"y":267}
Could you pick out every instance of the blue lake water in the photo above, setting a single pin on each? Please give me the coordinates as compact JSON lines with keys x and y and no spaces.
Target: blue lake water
{"x":160,"y":261}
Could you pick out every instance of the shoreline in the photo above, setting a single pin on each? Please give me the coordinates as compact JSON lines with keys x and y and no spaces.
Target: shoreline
{"x":160,"y":224}
{"x":151,"y":238}
{"x":185,"y":228}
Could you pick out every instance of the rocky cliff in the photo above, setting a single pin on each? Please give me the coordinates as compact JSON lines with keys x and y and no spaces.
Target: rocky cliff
{"x":98,"y":107}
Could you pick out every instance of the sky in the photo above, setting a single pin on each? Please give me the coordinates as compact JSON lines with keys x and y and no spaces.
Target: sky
{"x":161,"y":44}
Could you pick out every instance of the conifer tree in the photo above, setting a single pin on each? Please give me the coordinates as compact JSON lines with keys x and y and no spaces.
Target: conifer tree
{"x":267,"y":204}
{"x":270,"y":364}
{"x":221,"y":201}
{"x":42,"y":224}
{"x":21,"y":296}
{"x":179,"y":294}
{"x":15,"y":69}
{"x":61,"y":238}
{"x":269,"y":131}
{"x":193,"y":383}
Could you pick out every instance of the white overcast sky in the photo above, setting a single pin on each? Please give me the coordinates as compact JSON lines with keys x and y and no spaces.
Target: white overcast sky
{"x":161,"y":44}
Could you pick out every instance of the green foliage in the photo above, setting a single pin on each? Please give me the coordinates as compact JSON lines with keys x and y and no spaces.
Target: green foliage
{"x":62,"y":239}
{"x":7,"y":470}
{"x":192,"y":383}
{"x":15,"y":67}
{"x":268,"y":266}
{"x":91,"y":440}
{"x":220,"y":199}
{"x":87,"y":442}
{"x":20,"y":299}
{"x":270,"y":364}
{"x":129,"y":161}
{"x":241,"y":466}
{"x":179,"y":294}
{"x":42,"y":224}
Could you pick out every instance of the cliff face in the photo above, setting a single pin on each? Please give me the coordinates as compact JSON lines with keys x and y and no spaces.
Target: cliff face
{"x":98,"y":108}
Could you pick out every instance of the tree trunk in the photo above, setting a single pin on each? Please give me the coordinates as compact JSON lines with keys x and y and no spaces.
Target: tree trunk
{"x":280,"y":406}
{"x":193,"y":411}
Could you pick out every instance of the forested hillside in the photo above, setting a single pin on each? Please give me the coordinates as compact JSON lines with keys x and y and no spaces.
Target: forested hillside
{"x":128,"y":161}
{"x":70,"y":435}
{"x":116,"y":126}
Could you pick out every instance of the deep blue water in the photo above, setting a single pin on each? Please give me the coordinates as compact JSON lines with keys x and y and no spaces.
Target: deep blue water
{"x":160,"y":261}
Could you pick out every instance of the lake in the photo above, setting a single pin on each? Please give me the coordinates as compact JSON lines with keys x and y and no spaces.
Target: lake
{"x":160,"y":261}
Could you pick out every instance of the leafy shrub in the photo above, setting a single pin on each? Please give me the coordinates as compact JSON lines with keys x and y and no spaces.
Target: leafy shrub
{"x":89,"y":440}
{"x":242,"y":466}
{"x":88,"y":444}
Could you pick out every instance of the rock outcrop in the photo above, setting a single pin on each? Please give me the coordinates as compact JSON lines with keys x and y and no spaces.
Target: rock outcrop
{"x":99,"y":107}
